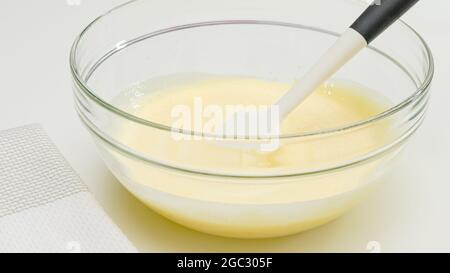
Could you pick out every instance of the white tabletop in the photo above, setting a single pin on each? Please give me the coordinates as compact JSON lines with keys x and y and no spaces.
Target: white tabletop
{"x":409,"y":213}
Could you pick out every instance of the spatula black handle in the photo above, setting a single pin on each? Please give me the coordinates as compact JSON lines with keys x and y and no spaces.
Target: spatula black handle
{"x":379,"y":16}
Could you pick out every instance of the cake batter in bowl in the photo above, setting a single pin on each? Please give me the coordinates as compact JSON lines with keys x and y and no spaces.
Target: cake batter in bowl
{"x":131,"y":69}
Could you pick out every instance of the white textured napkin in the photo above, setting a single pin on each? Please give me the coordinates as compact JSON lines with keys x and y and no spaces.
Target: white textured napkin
{"x":44,"y":206}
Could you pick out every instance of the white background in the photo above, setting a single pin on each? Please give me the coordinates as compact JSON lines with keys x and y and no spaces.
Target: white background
{"x":411,"y":211}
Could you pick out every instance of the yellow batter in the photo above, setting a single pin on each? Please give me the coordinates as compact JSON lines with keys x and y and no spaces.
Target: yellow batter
{"x":331,"y":106}
{"x":225,"y":205}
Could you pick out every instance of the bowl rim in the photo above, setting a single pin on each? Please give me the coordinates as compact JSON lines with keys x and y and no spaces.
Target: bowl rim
{"x":83,"y":86}
{"x":264,"y":178}
{"x":421,"y":91}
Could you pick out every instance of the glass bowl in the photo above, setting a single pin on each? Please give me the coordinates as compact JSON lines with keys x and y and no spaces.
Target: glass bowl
{"x":271,"y":40}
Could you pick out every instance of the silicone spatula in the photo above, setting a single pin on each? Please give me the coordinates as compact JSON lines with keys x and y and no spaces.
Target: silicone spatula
{"x":374,"y":20}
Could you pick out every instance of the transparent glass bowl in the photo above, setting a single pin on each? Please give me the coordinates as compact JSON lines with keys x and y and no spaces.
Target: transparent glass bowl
{"x":273,"y":40}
